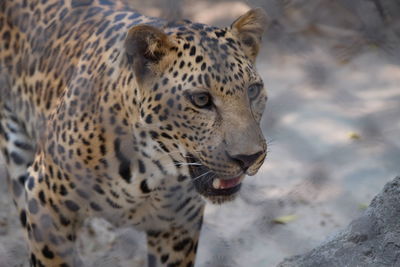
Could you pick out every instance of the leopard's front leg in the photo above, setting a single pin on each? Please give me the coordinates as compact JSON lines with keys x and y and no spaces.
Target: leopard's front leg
{"x":176,"y":246}
{"x":50,"y":218}
{"x":51,"y":234}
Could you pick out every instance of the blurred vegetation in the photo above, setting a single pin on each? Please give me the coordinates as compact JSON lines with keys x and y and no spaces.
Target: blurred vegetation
{"x":346,"y":28}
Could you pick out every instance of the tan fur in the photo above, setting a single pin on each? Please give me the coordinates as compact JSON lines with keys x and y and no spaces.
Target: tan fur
{"x":249,"y":28}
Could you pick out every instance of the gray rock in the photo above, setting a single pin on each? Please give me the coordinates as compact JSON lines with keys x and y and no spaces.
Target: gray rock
{"x":371,"y":240}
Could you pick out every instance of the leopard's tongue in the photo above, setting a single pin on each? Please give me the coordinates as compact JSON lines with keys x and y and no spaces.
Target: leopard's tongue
{"x":223,"y":184}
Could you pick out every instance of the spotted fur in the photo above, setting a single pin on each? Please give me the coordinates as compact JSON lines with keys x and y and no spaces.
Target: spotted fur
{"x":98,"y":118}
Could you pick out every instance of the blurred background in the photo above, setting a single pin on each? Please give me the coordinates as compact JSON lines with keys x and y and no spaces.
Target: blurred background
{"x":332,"y":71}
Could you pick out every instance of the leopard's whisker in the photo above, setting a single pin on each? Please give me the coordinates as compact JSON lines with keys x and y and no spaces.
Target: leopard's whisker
{"x":201,"y":175}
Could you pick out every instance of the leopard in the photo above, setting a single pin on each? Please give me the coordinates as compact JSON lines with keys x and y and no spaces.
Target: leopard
{"x":142,"y":121}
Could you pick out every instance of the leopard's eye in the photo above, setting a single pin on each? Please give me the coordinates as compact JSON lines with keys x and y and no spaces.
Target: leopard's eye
{"x":201,"y":100}
{"x":254,"y":90}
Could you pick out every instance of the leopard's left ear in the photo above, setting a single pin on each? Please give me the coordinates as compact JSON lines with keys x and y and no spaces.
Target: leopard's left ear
{"x":249,"y":28}
{"x":148,"y":50}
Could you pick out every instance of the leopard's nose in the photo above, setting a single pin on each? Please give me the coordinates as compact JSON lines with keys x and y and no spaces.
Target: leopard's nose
{"x":245,"y":161}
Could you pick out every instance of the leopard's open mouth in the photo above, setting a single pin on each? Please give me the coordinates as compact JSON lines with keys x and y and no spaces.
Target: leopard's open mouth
{"x":211,"y":185}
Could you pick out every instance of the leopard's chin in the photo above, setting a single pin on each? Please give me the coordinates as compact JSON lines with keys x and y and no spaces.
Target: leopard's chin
{"x":215,"y":188}
{"x":220,"y":199}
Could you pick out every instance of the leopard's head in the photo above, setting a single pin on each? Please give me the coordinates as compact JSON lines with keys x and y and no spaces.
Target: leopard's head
{"x":203,"y":97}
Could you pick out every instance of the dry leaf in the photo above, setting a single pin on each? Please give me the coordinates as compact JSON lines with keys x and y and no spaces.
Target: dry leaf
{"x":354,"y":136}
{"x":362,"y":206}
{"x":285,"y":219}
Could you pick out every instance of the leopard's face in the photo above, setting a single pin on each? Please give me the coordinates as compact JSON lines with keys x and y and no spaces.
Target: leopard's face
{"x":223,"y":121}
{"x":204,"y":106}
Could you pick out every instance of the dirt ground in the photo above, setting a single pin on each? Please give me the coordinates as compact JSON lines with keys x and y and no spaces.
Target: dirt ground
{"x":332,"y":120}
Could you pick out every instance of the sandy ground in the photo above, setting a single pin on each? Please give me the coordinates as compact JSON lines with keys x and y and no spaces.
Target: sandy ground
{"x":333,"y":129}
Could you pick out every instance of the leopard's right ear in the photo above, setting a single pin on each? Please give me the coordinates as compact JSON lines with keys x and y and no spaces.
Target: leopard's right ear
{"x":249,"y":28}
{"x":147,"y":49}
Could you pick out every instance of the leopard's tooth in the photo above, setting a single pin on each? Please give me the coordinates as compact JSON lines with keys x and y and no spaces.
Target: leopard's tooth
{"x":217,"y":183}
